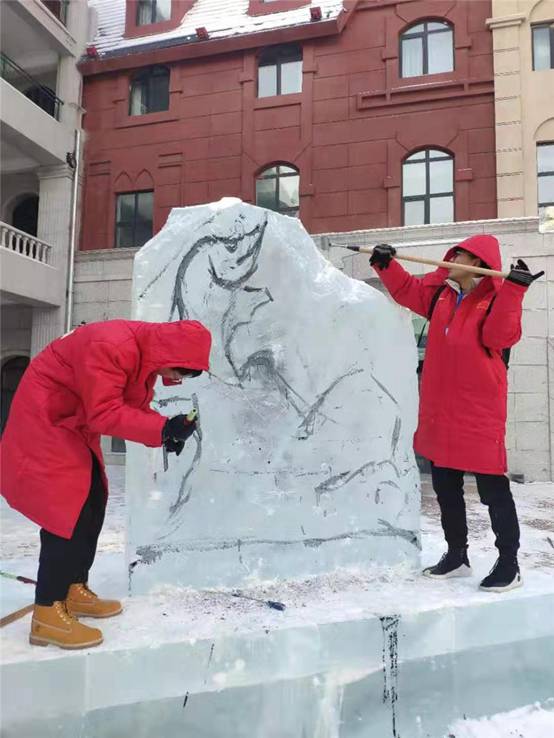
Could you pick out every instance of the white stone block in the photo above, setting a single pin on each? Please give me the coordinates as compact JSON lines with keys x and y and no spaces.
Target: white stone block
{"x":529,"y":351}
{"x":532,"y":436}
{"x":533,"y":407}
{"x":534,"y":323}
{"x":528,"y":379}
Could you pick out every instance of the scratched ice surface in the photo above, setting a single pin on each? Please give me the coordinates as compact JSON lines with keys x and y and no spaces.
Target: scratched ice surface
{"x":303,"y":458}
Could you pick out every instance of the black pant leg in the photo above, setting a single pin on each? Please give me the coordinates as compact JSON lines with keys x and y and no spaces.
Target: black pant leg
{"x":65,"y":561}
{"x":494,"y":491}
{"x":98,"y":510}
{"x":449,"y":488}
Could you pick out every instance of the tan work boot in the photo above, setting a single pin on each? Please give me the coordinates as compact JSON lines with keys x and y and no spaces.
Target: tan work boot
{"x":54,"y":625}
{"x":82,"y":601}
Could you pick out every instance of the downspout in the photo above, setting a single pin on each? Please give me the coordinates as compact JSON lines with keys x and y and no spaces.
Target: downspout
{"x":73,"y":232}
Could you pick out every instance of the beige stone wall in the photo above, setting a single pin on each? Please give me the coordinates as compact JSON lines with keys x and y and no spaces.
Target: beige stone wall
{"x":103,"y":282}
{"x":524,"y":103}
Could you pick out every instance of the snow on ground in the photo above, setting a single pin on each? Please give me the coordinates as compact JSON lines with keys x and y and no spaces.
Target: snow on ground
{"x":336,"y":596}
{"x":531,"y":721}
{"x":171,"y":611}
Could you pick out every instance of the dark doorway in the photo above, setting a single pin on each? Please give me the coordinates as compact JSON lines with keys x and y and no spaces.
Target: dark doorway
{"x":25,"y":215}
{"x":12,"y":371}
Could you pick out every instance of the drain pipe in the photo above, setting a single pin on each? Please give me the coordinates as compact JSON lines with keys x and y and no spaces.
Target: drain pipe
{"x":73,"y":232}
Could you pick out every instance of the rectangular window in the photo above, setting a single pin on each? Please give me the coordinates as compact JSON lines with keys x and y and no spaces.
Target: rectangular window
{"x":149,"y":91}
{"x":545,"y":174}
{"x":543,"y":46}
{"x":280,"y":71}
{"x":267,"y":81}
{"x":153,"y":11}
{"x":133,"y":219}
{"x":118,"y":445}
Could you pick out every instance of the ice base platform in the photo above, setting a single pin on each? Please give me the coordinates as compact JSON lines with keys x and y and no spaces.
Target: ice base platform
{"x":390,"y":655}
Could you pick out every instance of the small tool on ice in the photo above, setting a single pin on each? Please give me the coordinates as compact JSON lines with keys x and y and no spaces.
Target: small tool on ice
{"x":17,"y":577}
{"x":239,"y":595}
{"x":13,"y":616}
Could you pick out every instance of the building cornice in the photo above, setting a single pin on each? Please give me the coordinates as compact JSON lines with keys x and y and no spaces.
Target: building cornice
{"x":506,"y":21}
{"x":176,"y":50}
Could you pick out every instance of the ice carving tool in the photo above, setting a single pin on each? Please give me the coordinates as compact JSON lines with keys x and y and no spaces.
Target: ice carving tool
{"x":13,"y":616}
{"x":239,"y":595}
{"x":433,"y":262}
{"x":17,"y":577}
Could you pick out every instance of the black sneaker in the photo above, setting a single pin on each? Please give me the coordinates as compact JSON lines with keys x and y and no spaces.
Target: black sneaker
{"x":454,"y":563}
{"x":503,"y":576}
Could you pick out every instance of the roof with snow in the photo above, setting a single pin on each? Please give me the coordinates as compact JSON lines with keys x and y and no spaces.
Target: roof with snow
{"x":221,"y":18}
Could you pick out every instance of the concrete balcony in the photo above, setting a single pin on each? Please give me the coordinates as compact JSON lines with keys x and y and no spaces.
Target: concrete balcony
{"x":49,"y":19}
{"x":26,"y":271}
{"x":29,"y":128}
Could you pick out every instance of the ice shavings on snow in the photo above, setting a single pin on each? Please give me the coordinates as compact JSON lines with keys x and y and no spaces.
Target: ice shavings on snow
{"x":531,"y":721}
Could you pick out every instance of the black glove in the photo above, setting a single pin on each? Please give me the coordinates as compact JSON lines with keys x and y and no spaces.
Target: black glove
{"x":178,"y":428}
{"x":172,"y":446}
{"x":520,"y":274}
{"x":382,"y":255}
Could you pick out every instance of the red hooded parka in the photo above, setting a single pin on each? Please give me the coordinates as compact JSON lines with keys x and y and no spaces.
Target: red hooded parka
{"x":462,"y":411}
{"x":98,"y":379}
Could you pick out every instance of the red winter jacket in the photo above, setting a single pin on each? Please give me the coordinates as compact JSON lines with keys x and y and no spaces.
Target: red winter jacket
{"x":98,"y":379}
{"x":462,"y":410}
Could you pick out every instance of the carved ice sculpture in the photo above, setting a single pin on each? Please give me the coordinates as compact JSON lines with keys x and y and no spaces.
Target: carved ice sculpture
{"x":303,"y":458}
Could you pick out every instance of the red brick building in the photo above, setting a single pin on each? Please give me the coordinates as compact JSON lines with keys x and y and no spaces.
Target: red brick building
{"x":377,"y":113}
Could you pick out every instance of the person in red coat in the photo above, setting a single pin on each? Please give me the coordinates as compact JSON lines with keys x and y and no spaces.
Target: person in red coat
{"x":462,"y":411}
{"x":97,"y":380}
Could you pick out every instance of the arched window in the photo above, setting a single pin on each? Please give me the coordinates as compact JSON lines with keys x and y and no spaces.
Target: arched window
{"x":280,"y":70}
{"x":427,"y":48}
{"x":277,"y":188}
{"x":12,"y":371}
{"x":25,"y":215}
{"x":428,"y":187}
{"x":149,"y":91}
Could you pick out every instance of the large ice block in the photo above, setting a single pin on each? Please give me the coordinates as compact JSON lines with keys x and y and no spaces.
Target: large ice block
{"x":303,"y":458}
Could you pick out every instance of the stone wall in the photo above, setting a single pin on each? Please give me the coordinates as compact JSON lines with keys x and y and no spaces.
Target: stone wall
{"x":103,"y":291}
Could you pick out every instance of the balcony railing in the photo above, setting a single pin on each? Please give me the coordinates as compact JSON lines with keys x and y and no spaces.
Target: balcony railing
{"x":58,"y":8}
{"x":30,"y":87}
{"x":22,"y":243}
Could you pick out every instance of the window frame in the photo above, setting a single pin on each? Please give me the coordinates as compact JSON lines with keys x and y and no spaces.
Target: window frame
{"x":281,"y":59}
{"x":543,"y":174}
{"x":428,"y":196}
{"x":536,"y":27}
{"x":127,"y":224}
{"x":425,"y":46}
{"x":145,"y":76}
{"x":153,"y":13}
{"x":292,"y":211}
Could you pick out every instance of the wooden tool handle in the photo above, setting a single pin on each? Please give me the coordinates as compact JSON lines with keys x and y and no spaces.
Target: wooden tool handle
{"x":7,"y":619}
{"x":446,"y":264}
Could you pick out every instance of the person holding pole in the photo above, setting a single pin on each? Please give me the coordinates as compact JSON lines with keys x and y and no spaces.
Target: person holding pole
{"x":98,"y":379}
{"x":474,"y":320}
